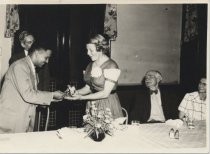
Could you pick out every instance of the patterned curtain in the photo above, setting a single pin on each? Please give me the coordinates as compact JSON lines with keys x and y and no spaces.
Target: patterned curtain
{"x":190,"y":22}
{"x":12,"y":20}
{"x":110,"y":21}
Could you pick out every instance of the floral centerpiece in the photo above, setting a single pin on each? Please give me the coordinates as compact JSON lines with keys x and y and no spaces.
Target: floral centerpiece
{"x":98,"y":122}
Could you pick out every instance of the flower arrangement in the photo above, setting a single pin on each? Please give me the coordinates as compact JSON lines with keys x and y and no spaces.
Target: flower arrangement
{"x":98,"y":122}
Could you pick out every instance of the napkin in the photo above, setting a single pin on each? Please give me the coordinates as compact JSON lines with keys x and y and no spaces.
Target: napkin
{"x":119,"y":121}
{"x":175,"y":123}
{"x":68,"y":133}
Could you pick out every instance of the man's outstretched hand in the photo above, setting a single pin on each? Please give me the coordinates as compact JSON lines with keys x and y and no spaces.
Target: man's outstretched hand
{"x":58,"y":95}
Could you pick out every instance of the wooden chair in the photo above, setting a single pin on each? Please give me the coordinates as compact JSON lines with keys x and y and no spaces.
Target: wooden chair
{"x":125,"y":114}
{"x":47,"y":119}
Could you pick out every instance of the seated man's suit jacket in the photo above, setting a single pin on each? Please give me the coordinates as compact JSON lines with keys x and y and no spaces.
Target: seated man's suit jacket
{"x":142,"y":105}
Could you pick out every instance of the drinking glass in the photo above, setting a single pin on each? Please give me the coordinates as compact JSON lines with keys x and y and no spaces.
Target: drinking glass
{"x":190,"y":123}
{"x":135,"y":122}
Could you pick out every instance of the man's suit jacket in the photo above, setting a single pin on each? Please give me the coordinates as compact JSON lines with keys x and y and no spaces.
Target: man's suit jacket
{"x":142,"y":105}
{"x":19,"y":98}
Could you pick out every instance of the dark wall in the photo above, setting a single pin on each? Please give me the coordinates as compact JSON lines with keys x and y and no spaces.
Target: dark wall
{"x":65,"y":29}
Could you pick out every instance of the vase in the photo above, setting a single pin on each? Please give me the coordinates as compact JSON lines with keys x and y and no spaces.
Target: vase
{"x":97,"y":135}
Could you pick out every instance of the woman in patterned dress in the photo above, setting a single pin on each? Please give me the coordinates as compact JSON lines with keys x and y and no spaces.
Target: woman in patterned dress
{"x":101,"y":78}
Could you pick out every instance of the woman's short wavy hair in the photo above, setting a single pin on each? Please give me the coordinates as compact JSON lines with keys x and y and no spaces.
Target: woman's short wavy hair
{"x":100,"y":42}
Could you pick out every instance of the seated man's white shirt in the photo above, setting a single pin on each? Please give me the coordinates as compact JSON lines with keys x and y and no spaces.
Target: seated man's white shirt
{"x":156,"y":113}
{"x":193,"y":107}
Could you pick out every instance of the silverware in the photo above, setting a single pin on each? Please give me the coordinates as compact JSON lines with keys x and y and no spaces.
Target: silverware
{"x":59,"y":135}
{"x":176,"y":135}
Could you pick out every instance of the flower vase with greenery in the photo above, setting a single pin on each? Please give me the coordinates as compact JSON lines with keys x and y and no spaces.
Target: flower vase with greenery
{"x":98,"y":122}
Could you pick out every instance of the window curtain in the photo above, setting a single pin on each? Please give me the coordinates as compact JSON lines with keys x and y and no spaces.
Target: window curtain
{"x":194,"y":45}
{"x":12,"y":20}
{"x":191,"y":23}
{"x":110,"y":21}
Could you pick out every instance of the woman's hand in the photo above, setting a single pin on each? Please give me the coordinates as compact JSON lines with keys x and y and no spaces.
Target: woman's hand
{"x":74,"y":97}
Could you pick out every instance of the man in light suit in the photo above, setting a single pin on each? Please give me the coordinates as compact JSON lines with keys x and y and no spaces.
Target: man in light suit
{"x":20,"y":96}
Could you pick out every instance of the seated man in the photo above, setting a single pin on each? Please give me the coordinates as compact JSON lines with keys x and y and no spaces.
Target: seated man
{"x":193,"y":105}
{"x":152,"y":80}
{"x":150,"y":100}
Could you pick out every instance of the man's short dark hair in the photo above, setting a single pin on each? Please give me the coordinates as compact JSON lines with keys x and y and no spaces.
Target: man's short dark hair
{"x":37,"y":46}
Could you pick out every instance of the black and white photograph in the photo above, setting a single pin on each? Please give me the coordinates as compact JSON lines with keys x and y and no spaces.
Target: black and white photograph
{"x":104,"y":77}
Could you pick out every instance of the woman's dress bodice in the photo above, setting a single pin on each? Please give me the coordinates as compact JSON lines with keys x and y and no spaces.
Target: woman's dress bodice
{"x":97,"y":83}
{"x":96,"y":78}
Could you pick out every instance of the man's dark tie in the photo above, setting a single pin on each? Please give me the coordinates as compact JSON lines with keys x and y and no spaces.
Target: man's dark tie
{"x":153,"y":91}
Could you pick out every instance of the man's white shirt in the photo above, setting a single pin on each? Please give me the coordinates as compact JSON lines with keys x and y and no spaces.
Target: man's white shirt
{"x":156,"y":112}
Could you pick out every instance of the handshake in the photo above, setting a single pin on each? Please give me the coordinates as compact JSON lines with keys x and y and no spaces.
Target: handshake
{"x":70,"y":94}
{"x":70,"y":91}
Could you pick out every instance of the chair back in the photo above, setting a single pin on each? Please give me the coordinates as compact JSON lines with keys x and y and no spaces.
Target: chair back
{"x":125,"y":114}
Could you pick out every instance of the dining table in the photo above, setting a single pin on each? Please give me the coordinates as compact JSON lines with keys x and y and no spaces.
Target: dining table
{"x":141,"y":138}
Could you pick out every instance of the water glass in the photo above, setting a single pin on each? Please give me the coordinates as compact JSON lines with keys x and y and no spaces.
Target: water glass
{"x":190,"y":124}
{"x":135,"y":122}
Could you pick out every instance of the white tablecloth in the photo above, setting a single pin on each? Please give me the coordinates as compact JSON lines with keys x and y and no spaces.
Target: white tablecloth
{"x":132,"y":139}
